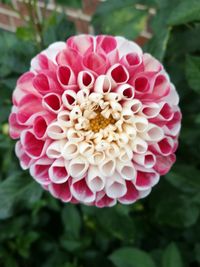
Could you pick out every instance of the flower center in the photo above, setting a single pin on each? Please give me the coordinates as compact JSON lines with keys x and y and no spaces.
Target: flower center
{"x":100,"y":122}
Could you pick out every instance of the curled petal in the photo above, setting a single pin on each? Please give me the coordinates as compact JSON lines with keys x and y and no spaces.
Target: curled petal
{"x":130,"y":131}
{"x":34,"y":147}
{"x":150,"y":110}
{"x":173,"y":126}
{"x":78,"y":167}
{"x":118,"y":74}
{"x":153,"y":133}
{"x":52,"y":102}
{"x":86,"y":148}
{"x":146,"y":178}
{"x":25,"y":159}
{"x":70,"y":150}
{"x":133,"y":62}
{"x":64,"y":119}
{"x":81,"y":191}
{"x":139,"y":145}
{"x":126,"y":154}
{"x":70,"y":57}
{"x":57,"y":172}
{"x":65,"y":76}
{"x":56,"y":131}
{"x":164,"y":147}
{"x":39,"y":170}
{"x":96,"y":158}
{"x":61,"y":191}
{"x":125,"y":47}
{"x":69,"y":98}
{"x":96,"y":63}
{"x":15,"y":128}
{"x":107,"y":167}
{"x":164,"y":163}
{"x":134,"y":105}
{"x":25,"y":113}
{"x":102,"y":84}
{"x":131,"y":195}
{"x":55,"y":149}
{"x":74,"y":136}
{"x":115,"y":186}
{"x":147,"y":160}
{"x":40,"y":126}
{"x":113,"y":150}
{"x":95,"y":181}
{"x":126,"y":91}
{"x":81,"y":43}
{"x":85,"y":80}
{"x":126,"y":170}
{"x":151,"y":64}
{"x":102,"y":200}
{"x":140,"y":123}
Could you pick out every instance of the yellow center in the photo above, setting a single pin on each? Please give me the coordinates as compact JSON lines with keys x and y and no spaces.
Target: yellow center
{"x":100,"y":122}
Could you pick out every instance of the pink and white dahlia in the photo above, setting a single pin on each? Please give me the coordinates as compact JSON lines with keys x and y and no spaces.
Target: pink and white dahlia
{"x":97,"y":120}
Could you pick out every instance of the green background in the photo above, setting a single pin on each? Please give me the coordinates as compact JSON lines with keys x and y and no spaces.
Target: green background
{"x":162,"y":230}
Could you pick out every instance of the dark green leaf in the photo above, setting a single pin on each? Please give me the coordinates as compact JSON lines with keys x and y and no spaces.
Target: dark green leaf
{"x":131,"y":257}
{"x":172,"y":257}
{"x":193,"y":72}
{"x":17,"y":189}
{"x":186,"y":11}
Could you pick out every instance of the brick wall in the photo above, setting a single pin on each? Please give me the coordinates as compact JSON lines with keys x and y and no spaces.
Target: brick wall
{"x":9,"y":19}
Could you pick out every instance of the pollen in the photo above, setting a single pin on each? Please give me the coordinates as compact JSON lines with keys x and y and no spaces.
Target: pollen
{"x":100,"y":122}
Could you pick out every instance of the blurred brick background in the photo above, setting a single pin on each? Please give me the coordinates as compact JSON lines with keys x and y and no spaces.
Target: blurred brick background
{"x":10,"y":19}
{"x":81,"y":17}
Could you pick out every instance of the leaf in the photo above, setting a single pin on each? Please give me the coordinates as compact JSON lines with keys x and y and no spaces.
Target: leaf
{"x":17,"y":189}
{"x":186,"y":178}
{"x":71,"y":221}
{"x":131,"y":257}
{"x":25,"y":33}
{"x":110,"y":21}
{"x":161,"y":34}
{"x":172,"y":257}
{"x":186,"y":11}
{"x":192,"y":68}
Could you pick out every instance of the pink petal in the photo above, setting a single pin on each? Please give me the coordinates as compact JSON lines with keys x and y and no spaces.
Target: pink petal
{"x":39,"y":170}
{"x":164,"y":164}
{"x":146,"y":179}
{"x":52,"y":102}
{"x":132,"y":194}
{"x":28,"y":105}
{"x":95,"y":62}
{"x":32,"y":146}
{"x":81,"y":43}
{"x":61,"y":191}
{"x":70,"y":57}
{"x":25,"y":160}
{"x":15,"y":128}
{"x":81,"y":191}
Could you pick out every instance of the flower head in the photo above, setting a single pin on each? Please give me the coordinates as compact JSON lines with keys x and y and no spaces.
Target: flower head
{"x":97,"y":120}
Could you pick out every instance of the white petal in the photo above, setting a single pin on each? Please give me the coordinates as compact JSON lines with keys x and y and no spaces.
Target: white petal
{"x":115,"y":186}
{"x":94,"y":179}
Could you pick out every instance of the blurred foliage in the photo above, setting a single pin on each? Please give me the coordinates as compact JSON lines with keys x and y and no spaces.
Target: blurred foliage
{"x":159,"y":231}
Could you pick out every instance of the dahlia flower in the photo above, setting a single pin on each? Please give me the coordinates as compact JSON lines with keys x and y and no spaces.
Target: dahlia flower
{"x":97,"y":120}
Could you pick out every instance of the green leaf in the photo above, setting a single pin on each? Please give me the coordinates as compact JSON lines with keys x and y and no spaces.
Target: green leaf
{"x":193,"y":72}
{"x":183,"y":175}
{"x":25,"y":33}
{"x":172,"y":257}
{"x":17,"y":189}
{"x":131,"y":257}
{"x":186,"y":11}
{"x":71,"y":221}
